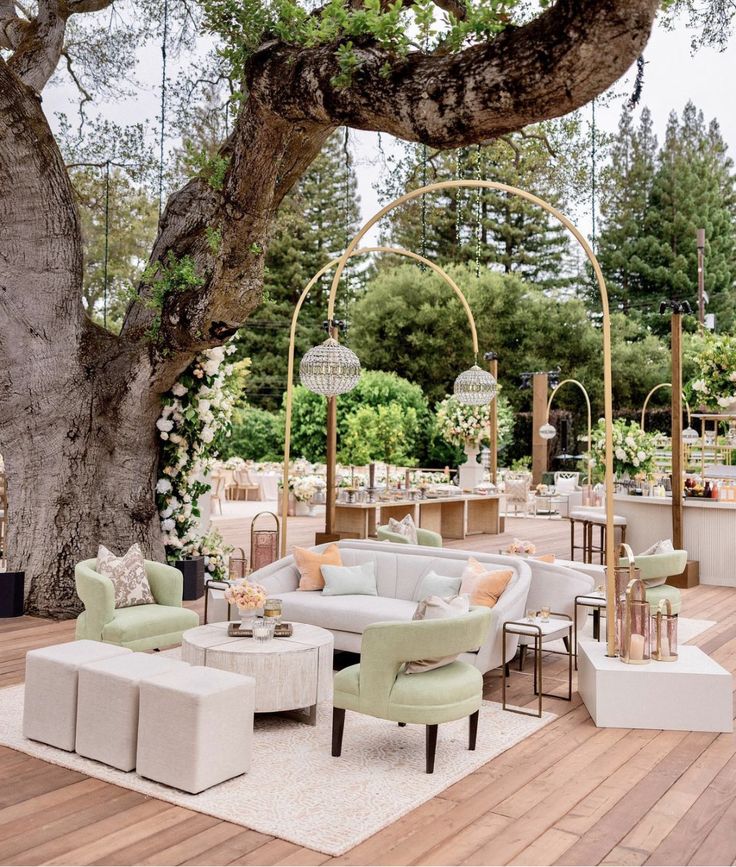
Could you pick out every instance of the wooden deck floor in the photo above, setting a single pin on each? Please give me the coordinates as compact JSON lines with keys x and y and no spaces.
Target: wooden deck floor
{"x":570,"y":794}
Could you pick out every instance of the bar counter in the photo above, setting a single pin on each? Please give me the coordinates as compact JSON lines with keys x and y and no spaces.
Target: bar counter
{"x":709,"y":531}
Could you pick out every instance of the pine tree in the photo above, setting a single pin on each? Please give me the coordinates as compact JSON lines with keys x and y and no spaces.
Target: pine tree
{"x":625,"y":188}
{"x":653,"y":204}
{"x":314,"y":224}
{"x":515,"y":236}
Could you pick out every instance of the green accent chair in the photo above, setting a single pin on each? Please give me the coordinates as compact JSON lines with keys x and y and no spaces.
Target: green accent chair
{"x":139,"y":627}
{"x":379,"y":686}
{"x":654,"y":570}
{"x":424,"y":537}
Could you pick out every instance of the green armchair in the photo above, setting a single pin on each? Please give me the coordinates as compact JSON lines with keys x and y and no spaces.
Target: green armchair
{"x":379,"y":686}
{"x":424,"y":537}
{"x":654,"y":570}
{"x":139,"y":627}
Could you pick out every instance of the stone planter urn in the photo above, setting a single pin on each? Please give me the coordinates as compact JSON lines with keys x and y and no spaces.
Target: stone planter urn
{"x":471,"y":472}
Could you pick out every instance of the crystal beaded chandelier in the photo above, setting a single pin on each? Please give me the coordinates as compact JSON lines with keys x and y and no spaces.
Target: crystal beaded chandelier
{"x":330,"y":369}
{"x":475,"y":386}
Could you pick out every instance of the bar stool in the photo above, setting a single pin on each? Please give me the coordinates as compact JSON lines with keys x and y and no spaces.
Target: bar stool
{"x":591,"y":518}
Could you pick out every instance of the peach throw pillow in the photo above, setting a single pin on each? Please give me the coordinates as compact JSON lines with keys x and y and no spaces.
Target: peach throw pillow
{"x":483,"y":585}
{"x":310,"y":563}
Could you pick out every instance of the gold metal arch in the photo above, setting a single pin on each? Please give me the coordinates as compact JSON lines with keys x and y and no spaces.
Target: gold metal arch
{"x":397,"y":251}
{"x":590,"y":415}
{"x":655,"y":389}
{"x":606,"y":328}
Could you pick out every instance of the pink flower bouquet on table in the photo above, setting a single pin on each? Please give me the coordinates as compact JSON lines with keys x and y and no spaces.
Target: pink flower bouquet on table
{"x":521,"y":546}
{"x":247,"y":596}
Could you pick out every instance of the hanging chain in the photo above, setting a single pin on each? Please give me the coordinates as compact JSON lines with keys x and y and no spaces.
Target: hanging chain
{"x":458,"y":200}
{"x":424,"y":202}
{"x":162,"y":131}
{"x":478,"y":211}
{"x":107,"y":244}
{"x":346,"y":152}
{"x":593,"y":179}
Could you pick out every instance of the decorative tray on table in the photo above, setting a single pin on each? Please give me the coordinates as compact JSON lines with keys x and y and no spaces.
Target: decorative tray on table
{"x":282,"y":630}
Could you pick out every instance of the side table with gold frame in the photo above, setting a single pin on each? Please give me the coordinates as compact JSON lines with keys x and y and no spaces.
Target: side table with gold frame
{"x":540,"y":630}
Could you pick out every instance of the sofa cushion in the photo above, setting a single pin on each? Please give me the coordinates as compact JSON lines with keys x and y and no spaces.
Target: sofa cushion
{"x":405,"y":527}
{"x":344,"y":613}
{"x":310,"y":565}
{"x":350,"y":580}
{"x":143,"y":621}
{"x":128,"y":576}
{"x":437,"y":585}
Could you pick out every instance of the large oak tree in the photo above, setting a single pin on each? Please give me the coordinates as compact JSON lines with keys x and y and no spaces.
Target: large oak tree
{"x":78,"y":404}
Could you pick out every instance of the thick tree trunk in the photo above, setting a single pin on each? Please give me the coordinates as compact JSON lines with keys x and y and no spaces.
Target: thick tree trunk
{"x":80,"y":452}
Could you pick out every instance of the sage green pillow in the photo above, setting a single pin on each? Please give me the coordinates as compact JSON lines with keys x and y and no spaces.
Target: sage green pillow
{"x":437,"y":585}
{"x":350,"y":580}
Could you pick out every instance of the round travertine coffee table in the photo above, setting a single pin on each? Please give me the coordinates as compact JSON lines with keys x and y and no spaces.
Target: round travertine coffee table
{"x":290,"y":673}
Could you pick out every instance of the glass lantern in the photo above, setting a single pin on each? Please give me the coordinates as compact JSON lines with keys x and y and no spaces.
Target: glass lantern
{"x":634,"y":625}
{"x":664,"y":628}
{"x":238,"y":567}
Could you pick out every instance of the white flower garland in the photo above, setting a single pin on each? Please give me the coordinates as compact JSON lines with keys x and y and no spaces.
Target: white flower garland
{"x":196,"y":408}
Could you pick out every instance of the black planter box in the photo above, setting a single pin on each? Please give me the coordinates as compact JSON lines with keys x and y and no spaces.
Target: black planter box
{"x":193,"y":572}
{"x":11,"y":594}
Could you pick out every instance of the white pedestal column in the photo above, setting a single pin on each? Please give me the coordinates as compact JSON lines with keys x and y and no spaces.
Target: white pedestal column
{"x":471,"y":472}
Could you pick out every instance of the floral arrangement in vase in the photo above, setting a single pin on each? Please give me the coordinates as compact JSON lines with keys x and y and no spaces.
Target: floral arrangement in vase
{"x":633,"y":448}
{"x":461,"y":424}
{"x":247,"y":595}
{"x":521,"y":546}
{"x":305,"y":487}
{"x":715,"y":384}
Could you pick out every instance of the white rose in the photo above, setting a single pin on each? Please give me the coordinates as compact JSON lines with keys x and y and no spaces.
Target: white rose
{"x":168,"y":525}
{"x":635,"y":462}
{"x":163,"y":486}
{"x":630,"y":442}
{"x":620,"y":454}
{"x":207,"y":435}
{"x":204,"y":405}
{"x":642,"y":456}
{"x":164,"y":424}
{"x":179,"y":390}
{"x":699,"y":385}
{"x":724,"y":401}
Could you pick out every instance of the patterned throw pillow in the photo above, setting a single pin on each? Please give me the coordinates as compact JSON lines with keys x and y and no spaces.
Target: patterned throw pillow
{"x":128,"y":576}
{"x":437,"y":608}
{"x":405,"y":527}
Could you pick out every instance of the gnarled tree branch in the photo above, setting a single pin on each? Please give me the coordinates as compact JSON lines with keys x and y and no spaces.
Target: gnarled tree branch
{"x":547,"y":68}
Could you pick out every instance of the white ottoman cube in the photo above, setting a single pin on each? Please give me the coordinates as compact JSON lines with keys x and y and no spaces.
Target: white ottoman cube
{"x":181,"y":719}
{"x":50,"y":709}
{"x":107,"y":705}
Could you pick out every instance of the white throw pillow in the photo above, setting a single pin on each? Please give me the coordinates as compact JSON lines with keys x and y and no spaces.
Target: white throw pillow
{"x":436,"y":608}
{"x":565,"y":486}
{"x":128,"y":576}
{"x":357,"y":580}
{"x":664,"y":546}
{"x":405,"y":527}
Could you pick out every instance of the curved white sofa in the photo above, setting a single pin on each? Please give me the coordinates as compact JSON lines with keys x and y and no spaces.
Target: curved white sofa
{"x":399,"y":570}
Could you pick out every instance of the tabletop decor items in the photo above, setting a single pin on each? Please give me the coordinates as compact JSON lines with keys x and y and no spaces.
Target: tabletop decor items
{"x":248,"y":596}
{"x":664,"y":641}
{"x":634,"y":625}
{"x":521,"y":546}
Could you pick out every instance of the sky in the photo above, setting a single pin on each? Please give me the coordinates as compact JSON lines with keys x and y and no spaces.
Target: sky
{"x":673,"y":75}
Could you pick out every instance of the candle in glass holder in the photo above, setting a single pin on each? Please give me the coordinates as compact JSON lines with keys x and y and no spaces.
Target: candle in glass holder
{"x":545,"y":613}
{"x":636,"y":646}
{"x":272,"y":609}
{"x":531,"y":615}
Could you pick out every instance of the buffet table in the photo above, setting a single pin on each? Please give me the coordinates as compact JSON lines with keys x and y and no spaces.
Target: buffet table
{"x":452,"y":517}
{"x":709,"y":531}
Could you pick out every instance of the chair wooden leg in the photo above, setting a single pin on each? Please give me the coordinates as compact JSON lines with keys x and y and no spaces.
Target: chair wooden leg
{"x":338,"y":726}
{"x":566,"y":642}
{"x":506,"y":669}
{"x":473,"y":729}
{"x":431,"y":747}
{"x":522,"y":656}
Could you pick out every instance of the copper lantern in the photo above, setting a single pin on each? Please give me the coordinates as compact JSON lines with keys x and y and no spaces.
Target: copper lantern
{"x":264,"y":540}
{"x":634,"y":625}
{"x":664,"y":626}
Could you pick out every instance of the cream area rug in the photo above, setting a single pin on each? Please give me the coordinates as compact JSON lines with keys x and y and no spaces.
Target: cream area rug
{"x":296,"y":790}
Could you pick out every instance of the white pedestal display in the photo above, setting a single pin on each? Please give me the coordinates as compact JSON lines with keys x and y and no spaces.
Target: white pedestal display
{"x":694,"y":694}
{"x":471,"y":472}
